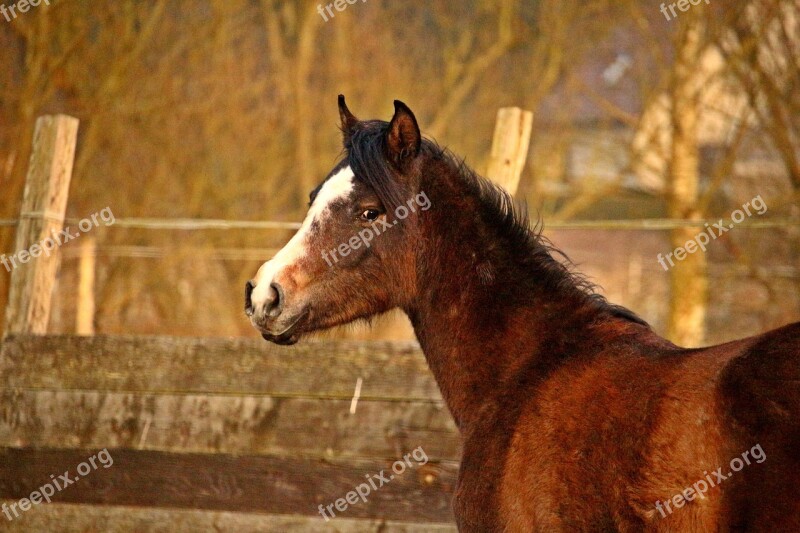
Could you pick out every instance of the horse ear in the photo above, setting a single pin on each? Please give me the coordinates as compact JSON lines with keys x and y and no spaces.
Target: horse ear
{"x":403,"y":137}
{"x":349,"y":122}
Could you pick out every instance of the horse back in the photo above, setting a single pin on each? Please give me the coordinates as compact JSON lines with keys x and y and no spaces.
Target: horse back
{"x":606,"y":439}
{"x":760,"y":393}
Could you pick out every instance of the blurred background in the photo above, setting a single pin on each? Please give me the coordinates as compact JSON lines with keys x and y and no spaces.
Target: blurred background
{"x":215,"y":109}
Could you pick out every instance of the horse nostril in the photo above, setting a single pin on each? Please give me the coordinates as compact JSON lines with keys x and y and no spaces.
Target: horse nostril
{"x":248,"y":302}
{"x":275,"y":306}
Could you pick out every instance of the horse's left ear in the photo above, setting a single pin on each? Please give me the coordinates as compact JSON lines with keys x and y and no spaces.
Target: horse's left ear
{"x":349,"y":122}
{"x":403,"y":137}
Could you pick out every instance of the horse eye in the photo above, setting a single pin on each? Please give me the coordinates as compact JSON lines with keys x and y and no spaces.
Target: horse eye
{"x":370,"y":215}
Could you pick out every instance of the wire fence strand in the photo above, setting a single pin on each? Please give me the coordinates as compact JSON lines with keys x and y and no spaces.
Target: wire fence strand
{"x":253,"y":254}
{"x":199,"y":224}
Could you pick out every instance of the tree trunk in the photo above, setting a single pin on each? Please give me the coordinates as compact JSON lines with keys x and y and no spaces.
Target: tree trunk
{"x":688,"y":278}
{"x":304,"y":153}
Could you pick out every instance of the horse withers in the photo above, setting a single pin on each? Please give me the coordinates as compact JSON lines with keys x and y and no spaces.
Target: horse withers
{"x":574,"y":414}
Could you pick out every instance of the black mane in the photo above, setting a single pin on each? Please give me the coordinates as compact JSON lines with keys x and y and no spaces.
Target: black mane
{"x":366,"y":154}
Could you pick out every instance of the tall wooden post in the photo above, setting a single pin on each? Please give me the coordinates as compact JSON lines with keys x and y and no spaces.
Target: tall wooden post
{"x":512,"y":137}
{"x":84,"y":322}
{"x":37,"y":257}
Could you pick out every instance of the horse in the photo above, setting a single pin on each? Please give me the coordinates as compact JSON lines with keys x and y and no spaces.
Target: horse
{"x":574,"y":414}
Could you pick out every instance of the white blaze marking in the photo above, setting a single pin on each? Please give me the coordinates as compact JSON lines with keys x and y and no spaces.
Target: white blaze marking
{"x":338,"y":186}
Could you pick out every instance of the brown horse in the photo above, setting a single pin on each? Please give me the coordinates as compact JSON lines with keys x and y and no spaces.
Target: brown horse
{"x":575,"y":415}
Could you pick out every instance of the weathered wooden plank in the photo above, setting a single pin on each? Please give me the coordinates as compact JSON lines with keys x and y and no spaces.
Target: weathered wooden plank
{"x":232,"y":483}
{"x":390,"y":370}
{"x":77,"y":518}
{"x":227,"y":424}
{"x":44,"y":203}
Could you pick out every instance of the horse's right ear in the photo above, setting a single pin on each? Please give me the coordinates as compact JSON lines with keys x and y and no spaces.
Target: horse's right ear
{"x":403,"y":138}
{"x":349,"y":123}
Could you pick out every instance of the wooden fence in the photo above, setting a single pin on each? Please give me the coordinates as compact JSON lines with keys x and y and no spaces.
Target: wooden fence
{"x":228,"y":425}
{"x":211,"y":434}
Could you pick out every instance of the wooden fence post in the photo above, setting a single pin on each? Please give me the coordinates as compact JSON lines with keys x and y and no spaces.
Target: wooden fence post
{"x":512,"y":137}
{"x":35,"y":262}
{"x":84,"y":322}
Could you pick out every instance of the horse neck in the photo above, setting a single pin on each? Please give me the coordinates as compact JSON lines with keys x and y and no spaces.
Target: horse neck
{"x":479,"y":313}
